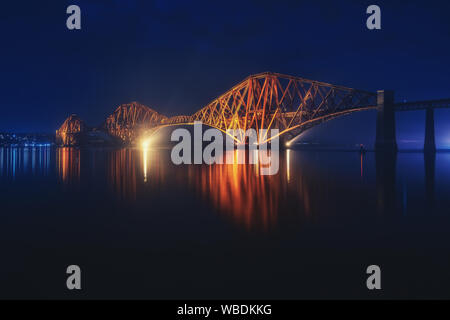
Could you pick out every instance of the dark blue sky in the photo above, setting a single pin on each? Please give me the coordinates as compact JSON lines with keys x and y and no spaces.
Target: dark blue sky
{"x":175,"y":56}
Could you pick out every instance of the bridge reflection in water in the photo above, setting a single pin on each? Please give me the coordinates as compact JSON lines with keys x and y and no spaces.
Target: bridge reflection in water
{"x":238,"y":192}
{"x":314,"y":186}
{"x":68,"y":164}
{"x":309,"y":185}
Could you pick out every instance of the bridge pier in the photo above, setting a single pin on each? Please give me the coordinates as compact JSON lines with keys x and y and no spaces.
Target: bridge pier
{"x":429,"y":144}
{"x":385,"y":137}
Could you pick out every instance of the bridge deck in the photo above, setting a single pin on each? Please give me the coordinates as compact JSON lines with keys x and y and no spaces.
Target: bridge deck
{"x":421,"y":105}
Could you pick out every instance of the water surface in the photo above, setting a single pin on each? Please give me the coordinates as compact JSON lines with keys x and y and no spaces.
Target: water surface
{"x":141,"y":227}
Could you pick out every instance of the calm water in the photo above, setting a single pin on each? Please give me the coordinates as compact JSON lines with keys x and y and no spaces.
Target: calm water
{"x":141,"y":227}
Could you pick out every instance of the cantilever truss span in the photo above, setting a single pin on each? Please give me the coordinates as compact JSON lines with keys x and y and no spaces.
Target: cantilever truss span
{"x":66,"y":134}
{"x":129,"y":120}
{"x":275,"y":101}
{"x":263,"y":101}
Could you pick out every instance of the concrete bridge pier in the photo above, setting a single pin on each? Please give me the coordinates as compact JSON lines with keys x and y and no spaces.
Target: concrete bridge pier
{"x":430,"y":144}
{"x":385,"y":136}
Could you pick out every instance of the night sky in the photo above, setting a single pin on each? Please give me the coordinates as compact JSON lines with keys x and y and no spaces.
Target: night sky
{"x":176,"y":56}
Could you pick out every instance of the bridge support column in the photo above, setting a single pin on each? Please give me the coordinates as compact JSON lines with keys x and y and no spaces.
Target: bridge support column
{"x":385,"y":139}
{"x":430,"y":144}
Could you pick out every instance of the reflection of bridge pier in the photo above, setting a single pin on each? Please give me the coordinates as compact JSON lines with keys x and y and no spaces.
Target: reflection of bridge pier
{"x":429,"y":161}
{"x":429,"y":157}
{"x":386,"y":163}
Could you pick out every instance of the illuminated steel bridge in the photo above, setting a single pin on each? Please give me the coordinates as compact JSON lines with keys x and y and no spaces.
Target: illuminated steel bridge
{"x":276,"y":101}
{"x":271,"y":101}
{"x":67,"y":133}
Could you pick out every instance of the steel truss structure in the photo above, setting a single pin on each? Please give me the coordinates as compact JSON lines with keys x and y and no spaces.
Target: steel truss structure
{"x":73,"y":125}
{"x":276,"y":101}
{"x":129,"y":120}
{"x":263,"y":101}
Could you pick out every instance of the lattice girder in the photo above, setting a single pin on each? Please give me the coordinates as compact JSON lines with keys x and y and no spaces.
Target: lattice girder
{"x":275,"y":101}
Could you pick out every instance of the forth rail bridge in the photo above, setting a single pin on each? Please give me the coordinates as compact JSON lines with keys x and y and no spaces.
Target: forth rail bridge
{"x":265,"y":101}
